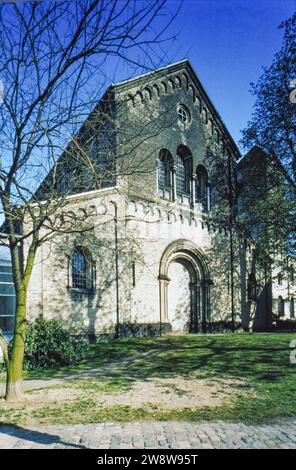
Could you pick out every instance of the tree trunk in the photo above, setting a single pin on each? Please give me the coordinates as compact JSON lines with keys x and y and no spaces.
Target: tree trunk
{"x":14,"y":384}
{"x":14,"y":378}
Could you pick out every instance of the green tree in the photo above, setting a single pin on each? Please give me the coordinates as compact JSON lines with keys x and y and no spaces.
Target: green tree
{"x":273,"y":123}
{"x":268,"y":196}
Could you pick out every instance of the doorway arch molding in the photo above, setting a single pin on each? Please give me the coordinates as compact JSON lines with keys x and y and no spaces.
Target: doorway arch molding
{"x":187,"y":253}
{"x":177,"y":248}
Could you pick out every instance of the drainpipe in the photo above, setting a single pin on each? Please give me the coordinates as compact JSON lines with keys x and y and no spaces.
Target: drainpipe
{"x":231,"y":217}
{"x":231,"y":280}
{"x":116,"y":266}
{"x":160,"y":307}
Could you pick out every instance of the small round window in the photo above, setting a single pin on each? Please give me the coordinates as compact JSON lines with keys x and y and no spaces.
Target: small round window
{"x":183,"y":114}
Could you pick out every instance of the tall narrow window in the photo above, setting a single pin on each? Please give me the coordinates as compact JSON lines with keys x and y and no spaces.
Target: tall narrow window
{"x":281,"y":306}
{"x":202,"y":188}
{"x":165,"y":167}
{"x":183,"y":163}
{"x":252,"y":288}
{"x":82,"y":270}
{"x":180,"y":175}
{"x":292,"y":308}
{"x":291,"y":274}
{"x":188,"y":172}
{"x":280,"y":279}
{"x":7,"y":292}
{"x":134,"y":273}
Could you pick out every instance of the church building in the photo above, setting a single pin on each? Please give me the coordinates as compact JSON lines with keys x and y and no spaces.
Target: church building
{"x":162,"y":251}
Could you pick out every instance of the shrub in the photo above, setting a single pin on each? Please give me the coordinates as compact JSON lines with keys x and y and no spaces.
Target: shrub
{"x":285,"y":324}
{"x":48,"y":344}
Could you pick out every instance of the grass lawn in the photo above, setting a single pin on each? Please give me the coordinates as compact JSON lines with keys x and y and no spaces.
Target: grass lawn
{"x":240,"y":377}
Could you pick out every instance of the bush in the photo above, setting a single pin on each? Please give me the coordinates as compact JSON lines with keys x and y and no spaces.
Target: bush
{"x":48,"y":344}
{"x":223,"y":327}
{"x":285,"y":324}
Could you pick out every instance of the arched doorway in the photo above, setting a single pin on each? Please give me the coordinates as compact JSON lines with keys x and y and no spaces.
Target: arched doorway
{"x":179,"y":296}
{"x":184,"y":288}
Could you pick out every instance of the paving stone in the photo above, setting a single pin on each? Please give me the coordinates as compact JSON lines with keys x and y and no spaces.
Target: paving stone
{"x":153,"y":435}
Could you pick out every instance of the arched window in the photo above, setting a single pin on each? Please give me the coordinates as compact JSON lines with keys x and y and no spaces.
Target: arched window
{"x":82,"y":269}
{"x":202,"y":188}
{"x":183,"y":164}
{"x":252,"y":288}
{"x":165,"y":167}
{"x":280,"y":279}
{"x":281,"y":306}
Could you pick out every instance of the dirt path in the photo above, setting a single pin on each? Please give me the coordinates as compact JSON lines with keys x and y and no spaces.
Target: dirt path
{"x":162,"y":394}
{"x":92,"y":373}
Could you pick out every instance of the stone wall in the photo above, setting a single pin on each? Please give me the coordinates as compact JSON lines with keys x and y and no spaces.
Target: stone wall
{"x":129,"y":286}
{"x":145,"y":230}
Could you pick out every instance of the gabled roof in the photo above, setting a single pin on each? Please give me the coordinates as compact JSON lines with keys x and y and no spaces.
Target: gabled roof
{"x":183,"y":65}
{"x":161,"y":70}
{"x":125,"y":85}
{"x":254,"y":153}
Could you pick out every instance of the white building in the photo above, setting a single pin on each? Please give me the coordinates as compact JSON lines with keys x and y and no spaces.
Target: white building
{"x":163,"y":253}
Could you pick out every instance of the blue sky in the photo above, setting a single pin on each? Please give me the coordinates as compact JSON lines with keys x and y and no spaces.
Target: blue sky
{"x":227,"y":42}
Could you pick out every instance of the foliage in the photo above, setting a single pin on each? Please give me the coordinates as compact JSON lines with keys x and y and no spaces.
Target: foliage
{"x":48,"y":345}
{"x":270,"y":203}
{"x":265,"y":206}
{"x":272,"y":126}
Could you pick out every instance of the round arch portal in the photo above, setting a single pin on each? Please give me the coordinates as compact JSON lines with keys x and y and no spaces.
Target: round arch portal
{"x":183,"y":254}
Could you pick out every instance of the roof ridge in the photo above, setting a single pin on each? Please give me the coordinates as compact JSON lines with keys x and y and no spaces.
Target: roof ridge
{"x":168,"y":66}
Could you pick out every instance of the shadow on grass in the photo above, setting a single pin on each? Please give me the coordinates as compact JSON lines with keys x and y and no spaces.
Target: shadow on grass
{"x":35,"y":437}
{"x":253,"y":357}
{"x":260,"y":361}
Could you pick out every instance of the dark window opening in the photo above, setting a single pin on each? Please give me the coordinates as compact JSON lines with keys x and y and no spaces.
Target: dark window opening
{"x":252,"y":288}
{"x":165,"y":168}
{"x":134,"y":273}
{"x":281,"y":306}
{"x":202,"y":188}
{"x":7,"y":293}
{"x":183,"y":164}
{"x":82,"y":270}
{"x":292,"y":308}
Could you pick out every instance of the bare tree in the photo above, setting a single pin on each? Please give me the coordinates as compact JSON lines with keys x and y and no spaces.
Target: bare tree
{"x":53,"y":66}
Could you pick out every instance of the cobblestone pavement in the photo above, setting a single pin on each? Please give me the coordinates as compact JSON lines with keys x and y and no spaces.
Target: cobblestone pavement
{"x":152,"y":435}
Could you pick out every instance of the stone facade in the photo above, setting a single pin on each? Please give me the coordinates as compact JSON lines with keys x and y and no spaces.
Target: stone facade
{"x":261,"y":192}
{"x":284,"y":292}
{"x":163,"y":253}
